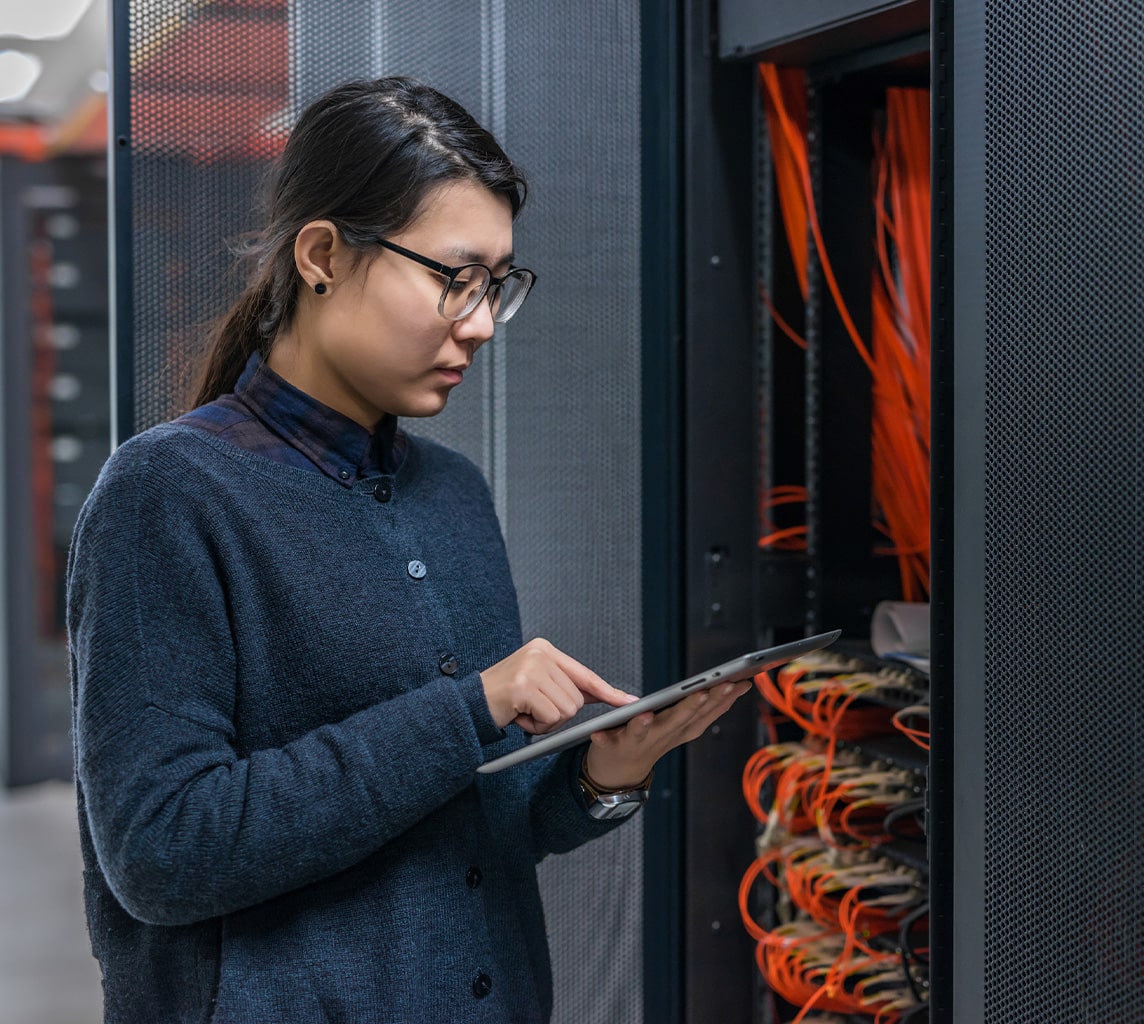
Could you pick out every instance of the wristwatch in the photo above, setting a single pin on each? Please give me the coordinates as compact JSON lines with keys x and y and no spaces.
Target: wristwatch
{"x":603,"y":803}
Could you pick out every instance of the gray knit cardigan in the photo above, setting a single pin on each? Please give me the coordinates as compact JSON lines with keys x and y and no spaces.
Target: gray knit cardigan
{"x":279,"y":811}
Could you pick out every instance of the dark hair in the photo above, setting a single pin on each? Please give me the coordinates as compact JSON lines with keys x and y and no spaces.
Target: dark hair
{"x":363,"y":155}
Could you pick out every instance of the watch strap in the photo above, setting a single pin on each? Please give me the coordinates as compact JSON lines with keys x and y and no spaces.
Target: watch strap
{"x":613,"y":803}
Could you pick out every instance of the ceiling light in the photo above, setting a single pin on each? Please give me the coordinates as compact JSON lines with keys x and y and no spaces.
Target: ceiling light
{"x":43,"y":20}
{"x":18,"y":73}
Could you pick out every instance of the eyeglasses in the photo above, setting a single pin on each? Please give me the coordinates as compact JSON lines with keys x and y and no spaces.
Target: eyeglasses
{"x":468,"y":284}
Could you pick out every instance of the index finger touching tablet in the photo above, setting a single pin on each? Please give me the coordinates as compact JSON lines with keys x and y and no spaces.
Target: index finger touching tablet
{"x":743,"y":667}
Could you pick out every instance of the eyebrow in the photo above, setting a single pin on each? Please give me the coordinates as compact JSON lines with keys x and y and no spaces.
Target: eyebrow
{"x":469,"y":256}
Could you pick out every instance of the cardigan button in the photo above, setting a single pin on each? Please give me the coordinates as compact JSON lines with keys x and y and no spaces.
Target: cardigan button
{"x":482,"y":985}
{"x":416,"y":569}
{"x":383,"y":490}
{"x":448,"y":664}
{"x":473,"y":877}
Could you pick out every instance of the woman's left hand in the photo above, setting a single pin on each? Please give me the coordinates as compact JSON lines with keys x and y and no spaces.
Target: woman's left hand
{"x":622,"y":757}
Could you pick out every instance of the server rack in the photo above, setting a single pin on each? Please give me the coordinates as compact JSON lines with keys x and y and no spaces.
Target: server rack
{"x":55,"y":375}
{"x":1039,"y":761}
{"x":1036,"y":557}
{"x":747,"y":428}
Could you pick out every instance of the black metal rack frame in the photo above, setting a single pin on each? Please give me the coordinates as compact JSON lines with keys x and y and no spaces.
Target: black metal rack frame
{"x":747,"y":430}
{"x":1036,"y":480}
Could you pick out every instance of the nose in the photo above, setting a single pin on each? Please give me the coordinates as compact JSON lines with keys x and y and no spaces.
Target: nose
{"x":477,"y":327}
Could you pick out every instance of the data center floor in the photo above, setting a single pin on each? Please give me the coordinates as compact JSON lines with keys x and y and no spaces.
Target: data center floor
{"x":47,"y":974}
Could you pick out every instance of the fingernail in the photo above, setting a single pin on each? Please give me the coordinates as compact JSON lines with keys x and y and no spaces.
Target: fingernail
{"x":702,"y":698}
{"x":630,"y":698}
{"x":728,"y":688}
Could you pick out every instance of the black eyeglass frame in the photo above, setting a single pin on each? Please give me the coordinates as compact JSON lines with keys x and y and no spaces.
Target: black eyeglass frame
{"x":451,"y":273}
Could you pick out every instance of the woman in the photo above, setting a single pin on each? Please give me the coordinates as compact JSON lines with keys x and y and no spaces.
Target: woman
{"x":294,"y":636}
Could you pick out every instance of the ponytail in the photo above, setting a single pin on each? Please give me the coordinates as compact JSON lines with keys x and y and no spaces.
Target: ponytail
{"x":250,"y":326}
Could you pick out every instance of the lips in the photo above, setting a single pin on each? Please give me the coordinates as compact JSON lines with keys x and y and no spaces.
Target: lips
{"x":454,"y":374}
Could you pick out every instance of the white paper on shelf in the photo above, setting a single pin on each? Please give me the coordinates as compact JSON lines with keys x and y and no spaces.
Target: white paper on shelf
{"x":901,"y":630}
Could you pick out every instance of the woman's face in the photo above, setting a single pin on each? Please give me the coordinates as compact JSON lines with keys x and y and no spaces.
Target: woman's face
{"x":375,"y":343}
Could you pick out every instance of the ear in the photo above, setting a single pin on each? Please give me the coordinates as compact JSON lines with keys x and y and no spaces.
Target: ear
{"x":316,"y":252}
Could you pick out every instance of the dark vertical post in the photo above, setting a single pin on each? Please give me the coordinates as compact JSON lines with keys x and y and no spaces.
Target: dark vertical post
{"x":963,"y":873}
{"x":939,"y":795}
{"x":121,"y":265}
{"x":23,"y":712}
{"x":956,"y":779}
{"x":720,"y":516}
{"x":662,"y":497}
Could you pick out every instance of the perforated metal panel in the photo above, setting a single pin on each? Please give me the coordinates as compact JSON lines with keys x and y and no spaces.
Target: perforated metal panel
{"x":1064,"y":482}
{"x":573,"y":369}
{"x":552,"y":411}
{"x":209,"y":107}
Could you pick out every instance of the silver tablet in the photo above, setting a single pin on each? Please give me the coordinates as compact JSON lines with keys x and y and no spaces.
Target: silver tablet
{"x":743,"y":667}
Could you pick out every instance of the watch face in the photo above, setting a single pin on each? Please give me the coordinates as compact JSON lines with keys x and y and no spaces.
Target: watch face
{"x":622,"y":810}
{"x":617,"y":805}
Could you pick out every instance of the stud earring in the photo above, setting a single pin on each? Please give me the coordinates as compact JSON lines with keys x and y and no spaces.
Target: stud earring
{"x":320,"y":288}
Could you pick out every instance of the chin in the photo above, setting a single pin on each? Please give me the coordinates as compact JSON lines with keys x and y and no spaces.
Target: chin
{"x":424,"y":409}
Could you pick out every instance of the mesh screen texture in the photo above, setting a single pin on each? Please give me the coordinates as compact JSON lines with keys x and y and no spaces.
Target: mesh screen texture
{"x":551,"y":409}
{"x":573,"y":374}
{"x":209,"y":110}
{"x":1064,"y":773}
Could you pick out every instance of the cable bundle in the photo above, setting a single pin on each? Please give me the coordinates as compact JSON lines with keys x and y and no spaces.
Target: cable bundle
{"x":822,"y":703}
{"x":844,"y":801}
{"x":898,"y":356}
{"x":825,"y":810}
{"x":825,"y":957}
{"x":787,"y":538}
{"x":901,"y":336}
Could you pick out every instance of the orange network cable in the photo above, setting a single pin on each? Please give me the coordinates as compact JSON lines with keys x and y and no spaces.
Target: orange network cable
{"x":846,"y":890}
{"x":797,"y":771}
{"x":853,"y":808}
{"x":898,"y":354}
{"x":763,"y":764}
{"x":791,"y":538}
{"x":806,"y":781}
{"x":858,"y":968}
{"x":793,"y":138}
{"x":860,"y":912}
{"x":788,"y":155}
{"x":823,"y":705}
{"x":780,"y":320}
{"x":824,"y":961}
{"x":796,"y":789}
{"x":919,"y":736}
{"x":847,"y":810}
{"x":829,"y":810}
{"x":900,"y":332}
{"x":786,"y":91}
{"x":813,"y":969}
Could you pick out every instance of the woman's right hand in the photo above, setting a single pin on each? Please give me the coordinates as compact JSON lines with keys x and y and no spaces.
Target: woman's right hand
{"x":540,"y":687}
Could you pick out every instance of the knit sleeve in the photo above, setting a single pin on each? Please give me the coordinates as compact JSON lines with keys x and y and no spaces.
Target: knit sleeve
{"x":557,"y":807}
{"x":184,"y":828}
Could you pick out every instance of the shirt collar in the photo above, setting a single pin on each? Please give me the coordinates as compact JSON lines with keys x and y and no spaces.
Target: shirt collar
{"x":340,"y":447}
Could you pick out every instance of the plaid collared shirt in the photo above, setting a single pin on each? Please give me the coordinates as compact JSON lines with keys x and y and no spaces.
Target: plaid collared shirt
{"x":272,"y":418}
